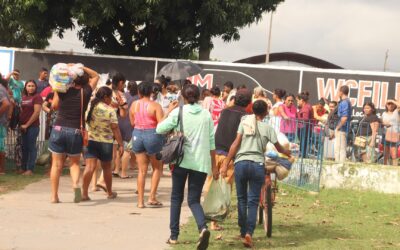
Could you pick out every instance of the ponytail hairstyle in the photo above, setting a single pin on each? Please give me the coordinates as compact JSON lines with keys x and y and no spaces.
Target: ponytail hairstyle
{"x":191,"y":93}
{"x":280,"y":93}
{"x":99,"y":97}
{"x":303,"y":96}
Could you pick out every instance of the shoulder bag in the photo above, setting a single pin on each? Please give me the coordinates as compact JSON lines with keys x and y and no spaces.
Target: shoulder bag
{"x":360,"y":141}
{"x":172,"y":151}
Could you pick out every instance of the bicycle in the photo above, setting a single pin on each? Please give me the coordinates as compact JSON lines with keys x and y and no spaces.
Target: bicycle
{"x":267,"y":201}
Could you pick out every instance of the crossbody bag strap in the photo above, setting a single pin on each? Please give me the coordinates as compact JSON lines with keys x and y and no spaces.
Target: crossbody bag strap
{"x":81,"y":118}
{"x":359,"y":126}
{"x":180,"y":120}
{"x":258,"y":135}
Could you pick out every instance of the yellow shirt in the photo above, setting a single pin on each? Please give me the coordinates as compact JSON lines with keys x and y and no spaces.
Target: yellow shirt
{"x":100,"y":125}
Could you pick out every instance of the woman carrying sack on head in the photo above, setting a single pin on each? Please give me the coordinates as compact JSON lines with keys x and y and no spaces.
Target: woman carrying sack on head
{"x":248,"y":151}
{"x":66,"y":136}
{"x":198,"y":161}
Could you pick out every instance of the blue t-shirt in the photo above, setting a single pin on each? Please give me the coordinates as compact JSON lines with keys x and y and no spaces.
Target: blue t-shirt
{"x":345,"y":110}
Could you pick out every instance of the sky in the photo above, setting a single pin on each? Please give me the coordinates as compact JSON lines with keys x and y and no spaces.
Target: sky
{"x":354,"y":34}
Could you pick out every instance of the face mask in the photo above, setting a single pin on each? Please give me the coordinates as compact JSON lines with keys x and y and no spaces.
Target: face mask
{"x":172,"y":96}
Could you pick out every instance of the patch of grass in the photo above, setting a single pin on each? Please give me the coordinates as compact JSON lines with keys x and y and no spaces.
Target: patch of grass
{"x":331,"y":219}
{"x":12,"y":181}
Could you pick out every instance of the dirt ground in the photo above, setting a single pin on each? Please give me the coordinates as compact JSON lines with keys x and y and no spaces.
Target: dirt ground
{"x":29,"y":221}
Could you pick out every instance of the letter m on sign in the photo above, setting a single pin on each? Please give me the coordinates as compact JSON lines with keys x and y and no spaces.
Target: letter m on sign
{"x":206,"y":81}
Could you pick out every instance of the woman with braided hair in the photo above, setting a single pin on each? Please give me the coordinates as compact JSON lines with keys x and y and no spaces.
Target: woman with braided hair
{"x":102,"y":124}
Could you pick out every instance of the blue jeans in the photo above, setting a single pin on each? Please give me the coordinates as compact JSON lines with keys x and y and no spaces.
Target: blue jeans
{"x":249,"y":178}
{"x":29,"y":150}
{"x":196,"y":183}
{"x":146,"y":141}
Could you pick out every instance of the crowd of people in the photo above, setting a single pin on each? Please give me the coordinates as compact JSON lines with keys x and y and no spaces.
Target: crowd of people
{"x":115,"y":126}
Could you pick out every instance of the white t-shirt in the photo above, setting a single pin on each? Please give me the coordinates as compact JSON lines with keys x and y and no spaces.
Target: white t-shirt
{"x":275,"y":121}
{"x":393,"y":119}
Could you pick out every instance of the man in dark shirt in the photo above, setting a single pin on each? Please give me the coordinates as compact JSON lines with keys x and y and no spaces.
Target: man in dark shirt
{"x":226,"y":133}
{"x":42,"y":82}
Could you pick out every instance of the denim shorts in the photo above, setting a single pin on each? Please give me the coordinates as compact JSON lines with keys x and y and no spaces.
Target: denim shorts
{"x":64,"y":140}
{"x":99,"y":150}
{"x":147,"y":141}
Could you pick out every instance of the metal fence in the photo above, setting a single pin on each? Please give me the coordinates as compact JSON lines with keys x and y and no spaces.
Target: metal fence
{"x":307,"y":145}
{"x":13,"y":144}
{"x":368,"y":141}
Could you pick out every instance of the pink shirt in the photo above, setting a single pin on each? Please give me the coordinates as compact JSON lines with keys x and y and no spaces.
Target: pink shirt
{"x":289,"y":126}
{"x":143,"y":120}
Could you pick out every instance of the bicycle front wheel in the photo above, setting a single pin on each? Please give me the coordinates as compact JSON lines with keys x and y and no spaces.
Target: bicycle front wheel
{"x":268,"y":211}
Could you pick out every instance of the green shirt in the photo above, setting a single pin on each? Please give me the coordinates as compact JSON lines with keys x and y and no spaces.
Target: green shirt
{"x":198,"y":129}
{"x":252,"y":147}
{"x":16,"y":88}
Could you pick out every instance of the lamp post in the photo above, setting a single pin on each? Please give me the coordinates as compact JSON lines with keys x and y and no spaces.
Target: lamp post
{"x":269,"y":39}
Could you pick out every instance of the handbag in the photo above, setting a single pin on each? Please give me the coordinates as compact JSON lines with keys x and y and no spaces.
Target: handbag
{"x":172,"y":150}
{"x":360,"y":141}
{"x":84,"y":132}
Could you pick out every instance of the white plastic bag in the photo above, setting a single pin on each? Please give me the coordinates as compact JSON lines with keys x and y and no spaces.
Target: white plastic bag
{"x":62,"y":76}
{"x":218,"y":200}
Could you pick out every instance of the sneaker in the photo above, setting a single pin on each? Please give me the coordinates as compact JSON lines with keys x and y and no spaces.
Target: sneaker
{"x":204,"y":238}
{"x":248,"y":241}
{"x":77,"y":195}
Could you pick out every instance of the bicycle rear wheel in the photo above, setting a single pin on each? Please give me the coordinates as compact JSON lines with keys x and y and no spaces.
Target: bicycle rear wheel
{"x":267,"y":211}
{"x":260,"y":215}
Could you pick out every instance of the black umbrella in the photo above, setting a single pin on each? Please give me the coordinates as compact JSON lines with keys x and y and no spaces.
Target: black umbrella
{"x":180,"y":70}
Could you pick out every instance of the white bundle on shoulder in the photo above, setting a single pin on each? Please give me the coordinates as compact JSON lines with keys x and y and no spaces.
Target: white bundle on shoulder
{"x":282,"y":139}
{"x":62,"y":76}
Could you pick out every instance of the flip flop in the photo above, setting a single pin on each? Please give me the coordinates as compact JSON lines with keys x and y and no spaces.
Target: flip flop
{"x":172,"y":242}
{"x":126,"y":177}
{"x":112,"y":196}
{"x":154,"y":204}
{"x":102,"y":187}
{"x":85,"y":199}
{"x":77,"y":195}
{"x":115,"y":174}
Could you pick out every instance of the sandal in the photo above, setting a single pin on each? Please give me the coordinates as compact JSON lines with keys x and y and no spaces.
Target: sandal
{"x":154,"y":204}
{"x":85,"y":199}
{"x":102,"y":187}
{"x":77,"y":195}
{"x":172,"y":242}
{"x":115,"y":174}
{"x":126,"y":177}
{"x":112,"y":196}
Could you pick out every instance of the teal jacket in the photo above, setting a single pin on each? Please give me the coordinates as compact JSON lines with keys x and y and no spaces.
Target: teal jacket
{"x":198,"y":129}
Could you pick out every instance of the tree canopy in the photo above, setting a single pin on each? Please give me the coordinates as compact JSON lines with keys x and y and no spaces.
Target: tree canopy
{"x":32,"y":23}
{"x":160,"y":28}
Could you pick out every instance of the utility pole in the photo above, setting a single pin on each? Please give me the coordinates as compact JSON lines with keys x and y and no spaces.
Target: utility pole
{"x":269,"y":39}
{"x":386,"y":58}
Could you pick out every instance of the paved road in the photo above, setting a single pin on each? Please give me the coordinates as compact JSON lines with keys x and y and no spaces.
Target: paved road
{"x":29,"y":221}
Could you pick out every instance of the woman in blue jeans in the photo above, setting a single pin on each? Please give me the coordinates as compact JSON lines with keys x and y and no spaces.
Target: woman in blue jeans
{"x":248,"y":150}
{"x":198,"y":160}
{"x":29,"y":125}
